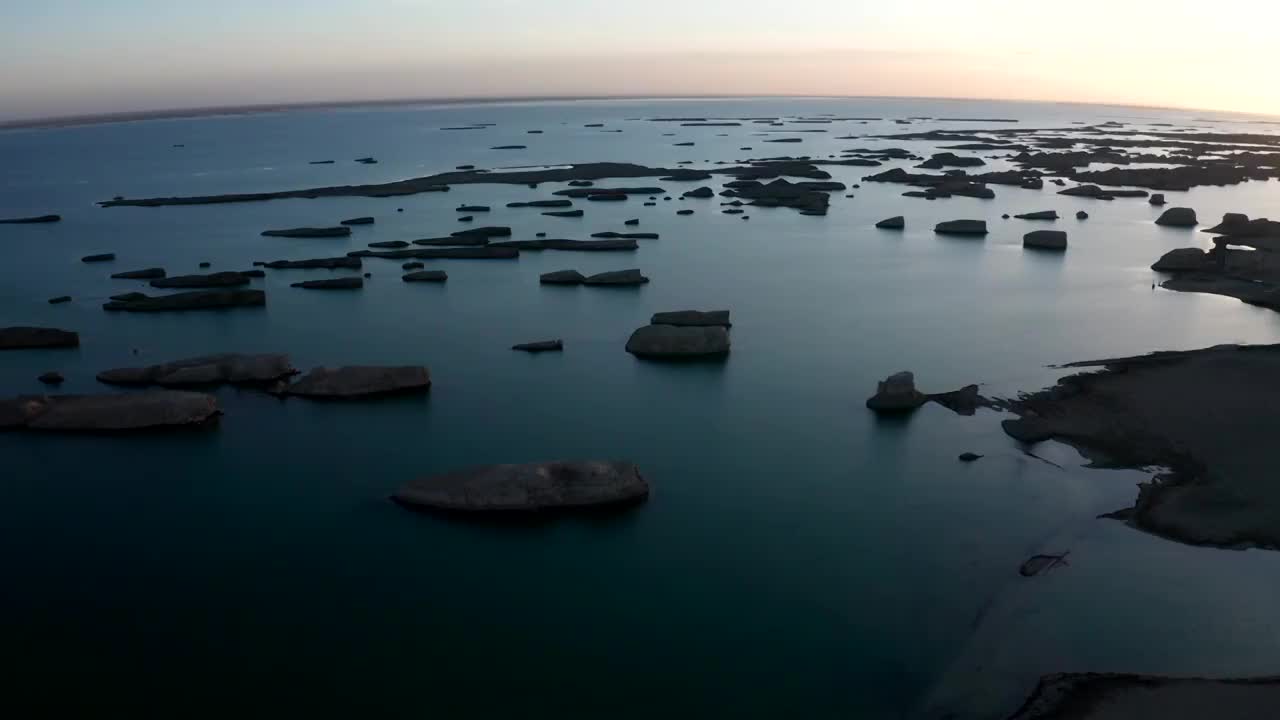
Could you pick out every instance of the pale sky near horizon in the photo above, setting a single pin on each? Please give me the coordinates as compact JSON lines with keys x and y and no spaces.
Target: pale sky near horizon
{"x":63,"y":57}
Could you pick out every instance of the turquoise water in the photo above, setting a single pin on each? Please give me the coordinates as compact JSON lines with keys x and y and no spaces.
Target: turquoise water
{"x":797,"y":557}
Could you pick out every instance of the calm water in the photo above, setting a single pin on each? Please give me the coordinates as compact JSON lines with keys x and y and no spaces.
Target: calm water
{"x":797,"y":558}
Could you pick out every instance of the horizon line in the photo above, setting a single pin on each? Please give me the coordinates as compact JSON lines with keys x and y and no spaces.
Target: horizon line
{"x":84,"y":119}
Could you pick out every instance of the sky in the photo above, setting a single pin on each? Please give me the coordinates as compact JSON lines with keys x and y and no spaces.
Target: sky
{"x":72,"y":57}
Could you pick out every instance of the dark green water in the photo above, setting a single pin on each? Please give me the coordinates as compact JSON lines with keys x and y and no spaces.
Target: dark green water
{"x":797,"y":557}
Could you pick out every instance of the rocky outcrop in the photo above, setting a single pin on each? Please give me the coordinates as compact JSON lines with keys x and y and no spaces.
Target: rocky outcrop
{"x":486,"y":252}
{"x":533,"y":487}
{"x":31,"y":220}
{"x":540,"y":346}
{"x":472,"y":208}
{"x":692,"y":318}
{"x":610,"y":235}
{"x":335,"y":263}
{"x":541,"y":204}
{"x":465,"y":241}
{"x":591,"y":192}
{"x":1178,"y":217}
{"x":564,"y":213}
{"x":1045,"y":240}
{"x":213,"y":280}
{"x":145,"y":274}
{"x":1082,"y":215}
{"x":947,"y":159}
{"x":389,"y":244}
{"x":616,"y":278}
{"x":893,"y":223}
{"x":358,"y":221}
{"x":1157,"y":199}
{"x":29,"y":338}
{"x":195,"y":300}
{"x":309,"y":232}
{"x":701,"y":193}
{"x":342,"y":283}
{"x":232,"y":368}
{"x":671,"y":342}
{"x":579,"y":245}
{"x":1097,"y":193}
{"x":108,"y":413}
{"x":961,"y":227}
{"x":897,"y":394}
{"x":100,"y":257}
{"x":354,"y":382}
{"x":1184,"y":260}
{"x":562,"y":277}
{"x":1041,"y":215}
{"x":59,"y":299}
{"x":483,"y":232}
{"x":426,"y":276}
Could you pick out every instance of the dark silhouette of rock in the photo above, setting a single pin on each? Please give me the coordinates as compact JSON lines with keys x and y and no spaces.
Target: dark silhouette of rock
{"x":213,"y":280}
{"x":60,"y":299}
{"x":253,"y":273}
{"x":579,"y":245}
{"x":101,"y":257}
{"x":226,"y":368}
{"x":473,"y":208}
{"x":358,"y":221}
{"x":564,"y":213}
{"x":893,"y":223}
{"x":426,"y":276}
{"x":31,"y":220}
{"x":702,"y":192}
{"x":443,"y":253}
{"x":342,"y":283}
{"x":562,"y":277}
{"x":483,"y":232}
{"x":962,"y":227}
{"x":1082,"y":215}
{"x":947,"y":159}
{"x":1178,"y":217}
{"x":129,"y":297}
{"x":1045,"y":240}
{"x":466,"y":218}
{"x":593,"y":191}
{"x":509,"y":147}
{"x":315,"y":263}
{"x":321,"y":162}
{"x":633,"y":221}
{"x":310,"y":232}
{"x":146,"y":274}
{"x":580,"y":183}
{"x":389,"y":244}
{"x":107,"y":413}
{"x":1027,"y":430}
{"x":541,"y":346}
{"x":205,"y":264}
{"x":413,"y":266}
{"x":616,"y":278}
{"x":1184,"y":260}
{"x":1157,"y":199}
{"x":684,"y":212}
{"x":51,"y":378}
{"x":692,"y":318}
{"x":195,"y":300}
{"x":533,"y":487}
{"x":354,"y":382}
{"x":897,"y":394}
{"x":970,"y":457}
{"x":672,"y":342}
{"x":25,"y":338}
{"x":1042,"y":215}
{"x":611,"y":235}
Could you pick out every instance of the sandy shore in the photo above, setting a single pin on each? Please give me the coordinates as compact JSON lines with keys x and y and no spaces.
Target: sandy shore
{"x":1206,"y":415}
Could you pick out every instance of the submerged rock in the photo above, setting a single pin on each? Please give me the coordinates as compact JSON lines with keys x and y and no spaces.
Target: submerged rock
{"x":195,"y":300}
{"x":526,"y":488}
{"x":145,"y":274}
{"x":52,"y":377}
{"x":679,"y":343}
{"x":309,"y":232}
{"x":360,"y":381}
{"x":897,"y":394}
{"x":692,"y":318}
{"x":540,"y":346}
{"x":129,"y":296}
{"x":27,"y":338}
{"x":60,"y":299}
{"x":100,"y":257}
{"x":1045,"y":240}
{"x":107,"y":413}
{"x":962,"y":227}
{"x":616,"y":278}
{"x":1178,"y":217}
{"x":233,"y":368}
{"x":342,"y":283}
{"x":970,"y":457}
{"x":893,"y":223}
{"x":413,"y":266}
{"x":426,"y":276}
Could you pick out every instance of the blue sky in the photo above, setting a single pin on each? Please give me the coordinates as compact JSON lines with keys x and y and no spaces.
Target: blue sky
{"x":74,"y":56}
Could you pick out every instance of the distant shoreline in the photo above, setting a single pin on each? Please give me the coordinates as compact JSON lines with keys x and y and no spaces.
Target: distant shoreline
{"x":264,"y":108}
